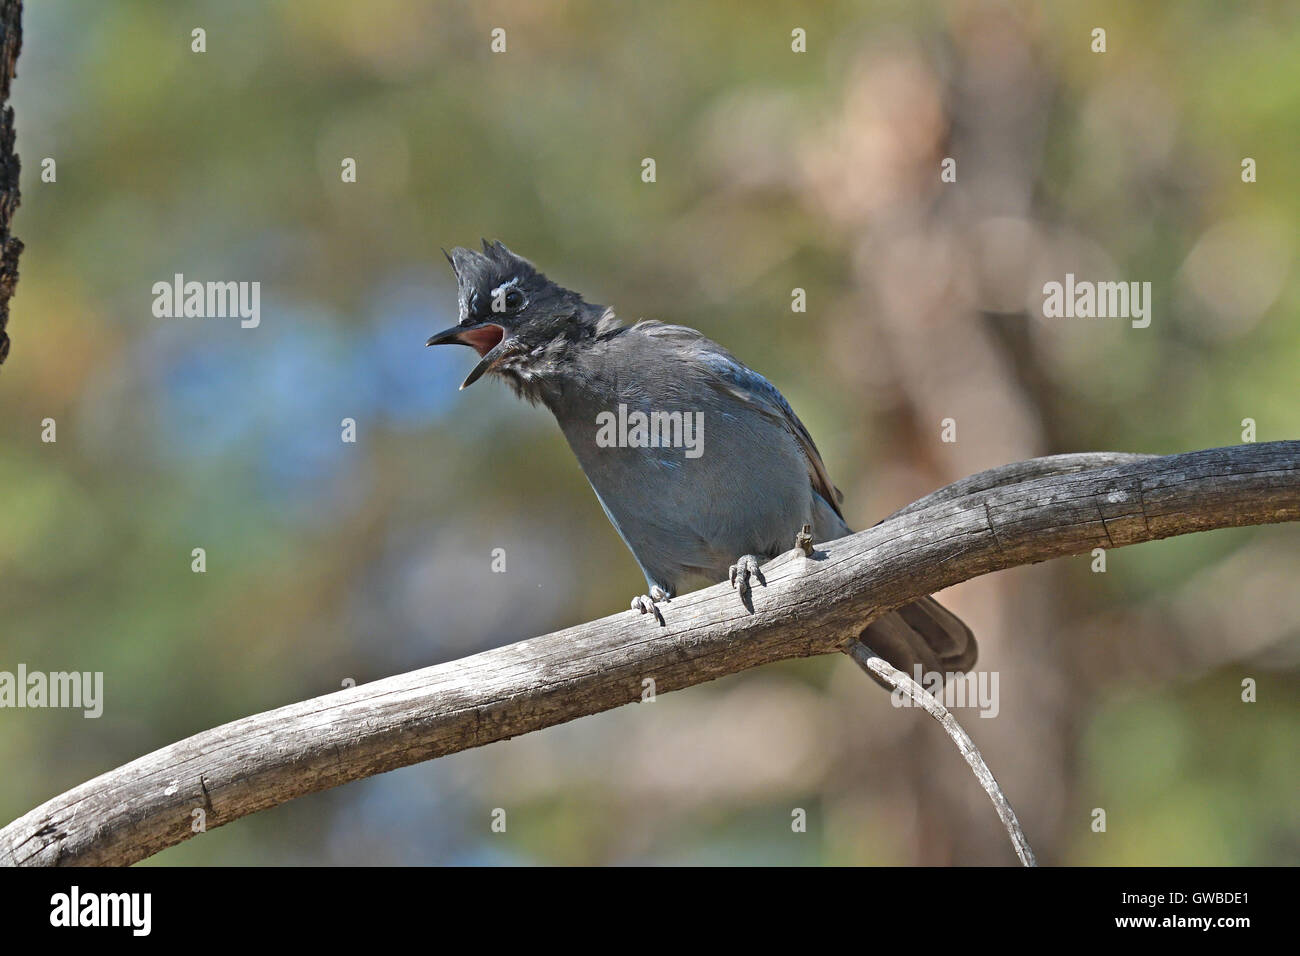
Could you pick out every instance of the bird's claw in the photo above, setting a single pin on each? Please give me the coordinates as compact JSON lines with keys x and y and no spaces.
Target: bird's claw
{"x":745,"y":566}
{"x":648,"y":603}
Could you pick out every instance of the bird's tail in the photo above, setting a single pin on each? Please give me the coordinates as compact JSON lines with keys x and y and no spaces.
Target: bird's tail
{"x":925,"y":633}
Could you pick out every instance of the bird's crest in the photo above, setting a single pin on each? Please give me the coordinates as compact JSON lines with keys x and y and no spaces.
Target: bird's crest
{"x":478,"y":273}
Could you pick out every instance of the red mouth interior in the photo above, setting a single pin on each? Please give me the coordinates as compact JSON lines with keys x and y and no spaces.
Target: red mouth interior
{"x":483,"y":339}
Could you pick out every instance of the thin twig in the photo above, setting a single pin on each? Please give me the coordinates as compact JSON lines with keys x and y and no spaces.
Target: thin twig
{"x":874,"y":664}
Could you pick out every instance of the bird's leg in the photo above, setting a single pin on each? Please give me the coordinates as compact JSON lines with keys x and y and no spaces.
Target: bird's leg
{"x":739,"y":574}
{"x":648,"y":603}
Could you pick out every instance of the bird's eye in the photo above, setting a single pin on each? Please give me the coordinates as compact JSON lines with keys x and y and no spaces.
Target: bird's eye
{"x":514,"y":300}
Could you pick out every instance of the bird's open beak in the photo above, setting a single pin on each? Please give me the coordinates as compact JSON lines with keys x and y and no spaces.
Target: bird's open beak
{"x":487,"y":339}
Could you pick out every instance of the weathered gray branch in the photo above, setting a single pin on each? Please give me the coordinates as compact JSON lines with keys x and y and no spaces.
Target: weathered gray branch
{"x":810,"y":605}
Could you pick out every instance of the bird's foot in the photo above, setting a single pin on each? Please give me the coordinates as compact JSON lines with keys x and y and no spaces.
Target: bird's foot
{"x":649,"y":603}
{"x":804,"y":540}
{"x":739,"y":574}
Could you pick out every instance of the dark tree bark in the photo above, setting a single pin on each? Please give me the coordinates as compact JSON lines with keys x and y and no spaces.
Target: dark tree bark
{"x":11,"y":42}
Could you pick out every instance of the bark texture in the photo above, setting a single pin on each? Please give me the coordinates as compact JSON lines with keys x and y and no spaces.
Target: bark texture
{"x":11,"y":42}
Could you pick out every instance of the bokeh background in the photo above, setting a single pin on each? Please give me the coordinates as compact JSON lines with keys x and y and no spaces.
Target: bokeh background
{"x":776,"y":170}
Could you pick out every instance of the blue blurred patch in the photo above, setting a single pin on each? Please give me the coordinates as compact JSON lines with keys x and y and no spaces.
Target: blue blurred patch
{"x":415,"y":384}
{"x":271,"y":400}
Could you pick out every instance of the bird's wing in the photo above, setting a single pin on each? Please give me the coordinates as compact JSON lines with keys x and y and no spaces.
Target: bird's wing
{"x":730,"y":375}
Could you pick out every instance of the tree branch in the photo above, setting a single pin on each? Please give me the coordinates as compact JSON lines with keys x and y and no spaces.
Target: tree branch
{"x":811,"y":605}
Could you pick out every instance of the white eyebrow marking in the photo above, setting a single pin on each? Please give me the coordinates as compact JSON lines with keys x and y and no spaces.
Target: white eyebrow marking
{"x":503,"y":286}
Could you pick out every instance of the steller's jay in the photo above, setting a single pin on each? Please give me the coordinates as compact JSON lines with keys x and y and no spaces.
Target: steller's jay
{"x":700,"y":463}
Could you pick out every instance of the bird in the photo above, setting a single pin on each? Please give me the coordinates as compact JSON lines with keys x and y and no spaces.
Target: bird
{"x":698,"y":461}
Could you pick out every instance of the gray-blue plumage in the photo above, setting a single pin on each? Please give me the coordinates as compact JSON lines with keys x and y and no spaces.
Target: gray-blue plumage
{"x":686,"y":514}
{"x":756,"y":482}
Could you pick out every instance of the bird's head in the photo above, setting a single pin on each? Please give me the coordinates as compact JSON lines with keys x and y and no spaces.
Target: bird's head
{"x":511,"y":314}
